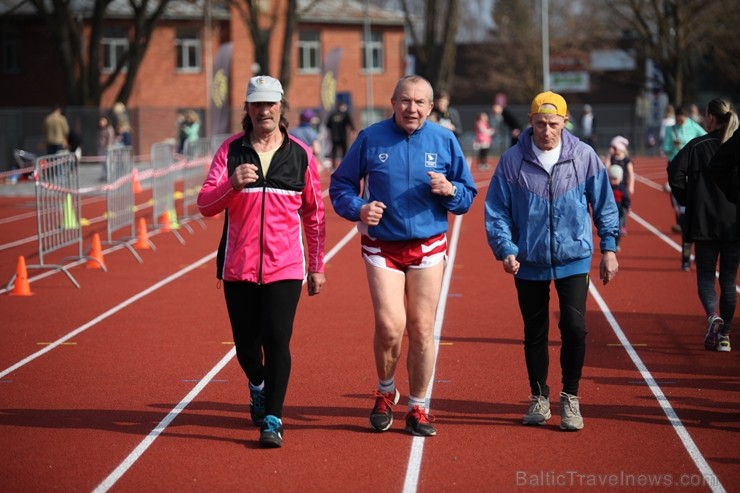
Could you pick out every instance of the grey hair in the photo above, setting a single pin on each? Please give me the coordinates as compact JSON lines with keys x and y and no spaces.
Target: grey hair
{"x":412,"y":79}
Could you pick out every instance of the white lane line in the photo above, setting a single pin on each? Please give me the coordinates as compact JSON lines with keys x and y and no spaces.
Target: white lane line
{"x":129,"y":461}
{"x":413,"y":469}
{"x":108,"y":313}
{"x":688,"y":443}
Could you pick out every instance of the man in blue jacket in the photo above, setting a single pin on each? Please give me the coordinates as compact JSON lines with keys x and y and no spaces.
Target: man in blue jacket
{"x":399,"y":180}
{"x":539,"y":225}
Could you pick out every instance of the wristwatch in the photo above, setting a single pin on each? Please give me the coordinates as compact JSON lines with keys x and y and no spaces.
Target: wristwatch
{"x":454,"y":191}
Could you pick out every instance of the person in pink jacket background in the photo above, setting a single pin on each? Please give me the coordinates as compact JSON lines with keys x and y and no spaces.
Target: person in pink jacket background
{"x":268,"y":184}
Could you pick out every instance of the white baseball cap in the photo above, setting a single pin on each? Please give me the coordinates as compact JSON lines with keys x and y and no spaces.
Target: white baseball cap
{"x":264,"y":89}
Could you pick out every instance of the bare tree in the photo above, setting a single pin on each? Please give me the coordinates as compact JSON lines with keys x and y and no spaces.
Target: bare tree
{"x":262,"y":22}
{"x":437,"y":50}
{"x":83,"y":81}
{"x":683,"y":37}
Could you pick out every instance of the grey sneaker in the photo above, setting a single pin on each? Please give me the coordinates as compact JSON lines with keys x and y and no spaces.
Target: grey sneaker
{"x":714,"y":323}
{"x":570,"y":414}
{"x":723,"y":343}
{"x":539,"y":410}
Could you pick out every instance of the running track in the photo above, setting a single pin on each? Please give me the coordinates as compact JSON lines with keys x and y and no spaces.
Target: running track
{"x":130,"y":383}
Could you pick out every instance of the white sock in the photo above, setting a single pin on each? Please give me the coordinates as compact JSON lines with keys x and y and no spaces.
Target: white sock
{"x":257,"y":387}
{"x":415,"y":401}
{"x":385,"y":386}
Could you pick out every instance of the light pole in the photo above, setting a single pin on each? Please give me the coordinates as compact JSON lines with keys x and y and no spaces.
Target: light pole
{"x":545,"y":47}
{"x":368,"y":72}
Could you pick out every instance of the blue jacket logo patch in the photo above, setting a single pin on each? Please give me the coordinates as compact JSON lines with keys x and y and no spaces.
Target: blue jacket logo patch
{"x":430,"y":159}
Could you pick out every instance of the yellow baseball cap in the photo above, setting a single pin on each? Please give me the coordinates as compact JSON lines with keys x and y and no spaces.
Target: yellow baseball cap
{"x":549,"y":98}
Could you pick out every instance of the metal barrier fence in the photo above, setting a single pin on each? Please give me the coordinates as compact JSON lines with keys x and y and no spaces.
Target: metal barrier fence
{"x":120,"y":212}
{"x":59,"y":200}
{"x":163,"y":189}
{"x":58,"y":208}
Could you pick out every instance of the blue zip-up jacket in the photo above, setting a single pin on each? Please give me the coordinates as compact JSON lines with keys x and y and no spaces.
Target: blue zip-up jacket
{"x":393,"y":165}
{"x":544,"y":220}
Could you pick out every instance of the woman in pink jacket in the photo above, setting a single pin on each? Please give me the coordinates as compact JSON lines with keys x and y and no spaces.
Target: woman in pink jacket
{"x":268,"y":184}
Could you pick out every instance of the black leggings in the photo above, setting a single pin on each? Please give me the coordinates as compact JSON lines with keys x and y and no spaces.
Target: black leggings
{"x":534,"y":300}
{"x":262,"y":318}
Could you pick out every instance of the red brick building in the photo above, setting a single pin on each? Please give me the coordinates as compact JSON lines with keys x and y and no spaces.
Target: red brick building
{"x":175,"y":72}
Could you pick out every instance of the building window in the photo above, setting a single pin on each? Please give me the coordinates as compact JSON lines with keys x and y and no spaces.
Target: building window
{"x":372,"y":53}
{"x":10,"y":53}
{"x":309,"y":49}
{"x":188,"y":49}
{"x":114,"y":45}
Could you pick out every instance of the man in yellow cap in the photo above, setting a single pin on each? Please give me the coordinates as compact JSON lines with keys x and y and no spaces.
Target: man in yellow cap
{"x":538,"y":225}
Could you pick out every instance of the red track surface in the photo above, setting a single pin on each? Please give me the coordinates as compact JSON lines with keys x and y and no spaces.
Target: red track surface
{"x":137,"y":390}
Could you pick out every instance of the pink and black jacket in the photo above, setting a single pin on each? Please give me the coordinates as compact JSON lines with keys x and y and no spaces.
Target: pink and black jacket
{"x":262,"y":241}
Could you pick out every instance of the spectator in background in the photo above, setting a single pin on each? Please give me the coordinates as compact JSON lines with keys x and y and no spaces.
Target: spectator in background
{"x":446,"y":115}
{"x":669,"y":119}
{"x":621,"y":197}
{"x":106,"y":138}
{"x":306,"y":133}
{"x":497,"y":124}
{"x":727,"y":160}
{"x":340,"y":126}
{"x":570,"y":126}
{"x":119,"y":115}
{"x":588,"y":126}
{"x":121,"y":124}
{"x":123,"y":133}
{"x":511,"y":122}
{"x":190,"y":129}
{"x":677,"y":136}
{"x":74,"y":139}
{"x":696,"y":114}
{"x":180,"y":129}
{"x":619,"y":155}
{"x":710,"y":222}
{"x":482,"y":139}
{"x":56,"y":130}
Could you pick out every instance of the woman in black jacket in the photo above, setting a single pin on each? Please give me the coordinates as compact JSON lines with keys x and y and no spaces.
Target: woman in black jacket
{"x":708,"y":194}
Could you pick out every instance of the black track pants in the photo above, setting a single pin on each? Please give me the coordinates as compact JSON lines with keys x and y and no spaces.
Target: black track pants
{"x":534,"y":300}
{"x":262,"y":318}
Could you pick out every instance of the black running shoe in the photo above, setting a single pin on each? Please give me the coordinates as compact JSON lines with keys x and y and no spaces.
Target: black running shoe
{"x":381,"y":417}
{"x":419,"y":423}
{"x":271,"y":432}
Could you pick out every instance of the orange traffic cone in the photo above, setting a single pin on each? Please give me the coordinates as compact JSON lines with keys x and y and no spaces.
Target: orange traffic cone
{"x":96,"y":253}
{"x":142,"y":242}
{"x":164,"y":220}
{"x":21,"y":288}
{"x":135,"y":181}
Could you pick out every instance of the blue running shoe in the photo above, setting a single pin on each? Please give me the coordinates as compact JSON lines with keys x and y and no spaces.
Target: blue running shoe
{"x":271,"y":432}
